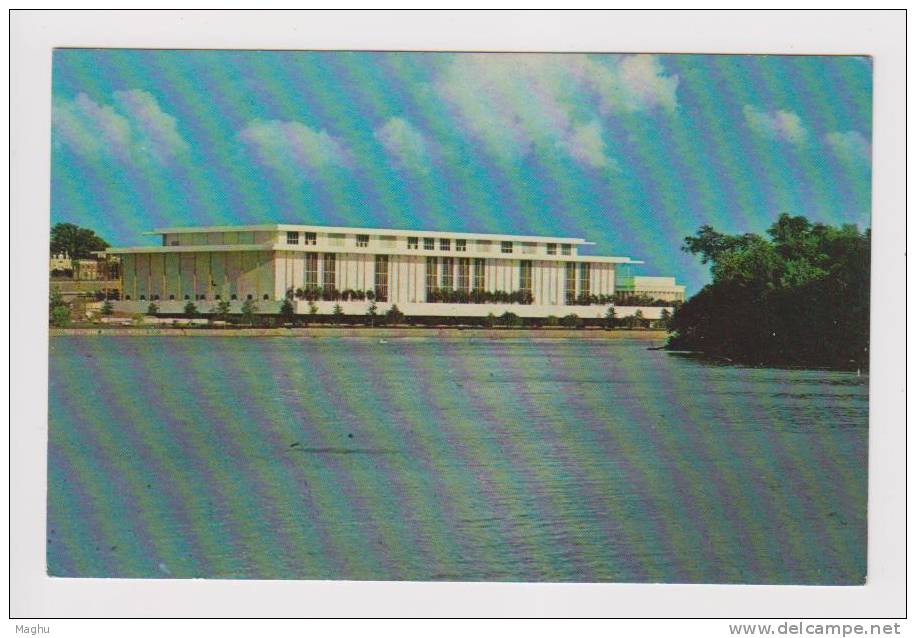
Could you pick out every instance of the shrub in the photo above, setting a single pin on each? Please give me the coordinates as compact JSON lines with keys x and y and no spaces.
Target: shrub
{"x":60,"y":316}
{"x":152,"y":308}
{"x":572,"y":321}
{"x":190,"y":310}
{"x":490,"y":320}
{"x":287,"y":310}
{"x":221,"y":310}
{"x":610,"y":317}
{"x":372,"y":312}
{"x":553,"y":321}
{"x":107,"y":308}
{"x":313,"y":308}
{"x":249,"y":308}
{"x":511,"y":320}
{"x":394,"y":315}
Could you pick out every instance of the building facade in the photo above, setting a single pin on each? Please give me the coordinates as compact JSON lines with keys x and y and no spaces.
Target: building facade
{"x":60,"y":261}
{"x":657,"y":288}
{"x":425,"y":273}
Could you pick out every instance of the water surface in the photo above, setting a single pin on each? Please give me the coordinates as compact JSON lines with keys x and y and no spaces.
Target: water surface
{"x":449,"y":459}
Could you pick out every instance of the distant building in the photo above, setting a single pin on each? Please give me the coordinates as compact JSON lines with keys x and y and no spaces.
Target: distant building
{"x":86,"y":269}
{"x":426,"y":273}
{"x":61,"y":262}
{"x":659,"y":288}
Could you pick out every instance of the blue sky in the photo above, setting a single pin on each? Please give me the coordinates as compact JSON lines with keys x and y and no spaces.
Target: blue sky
{"x":632,"y":152}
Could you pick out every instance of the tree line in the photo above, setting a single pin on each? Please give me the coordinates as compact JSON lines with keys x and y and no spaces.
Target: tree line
{"x":799,"y":296}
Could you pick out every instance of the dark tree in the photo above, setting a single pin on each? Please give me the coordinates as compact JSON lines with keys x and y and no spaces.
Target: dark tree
{"x":287,"y":310}
{"x":77,"y":242}
{"x":799,"y":297}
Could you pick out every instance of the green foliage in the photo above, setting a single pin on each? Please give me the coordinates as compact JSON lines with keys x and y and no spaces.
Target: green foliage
{"x":220,"y":311}
{"x":610,"y":317}
{"x":490,"y":320}
{"x":58,"y":310}
{"x":572,"y":321}
{"x":394,"y":315}
{"x":313,"y":308}
{"x":287,"y":310}
{"x":107,"y":308}
{"x":798,"y":297}
{"x":553,"y":321}
{"x":338,"y":311}
{"x":152,"y":308}
{"x":77,"y":242}
{"x":249,"y":308}
{"x":510,"y":320}
{"x":190,"y":310}
{"x":372,"y":312}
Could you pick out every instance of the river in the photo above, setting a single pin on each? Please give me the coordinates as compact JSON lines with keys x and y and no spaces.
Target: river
{"x":449,"y":459}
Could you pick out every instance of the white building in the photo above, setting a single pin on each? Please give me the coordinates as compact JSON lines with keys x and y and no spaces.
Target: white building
{"x":61,"y":261}
{"x":660,"y":288}
{"x":425,"y":273}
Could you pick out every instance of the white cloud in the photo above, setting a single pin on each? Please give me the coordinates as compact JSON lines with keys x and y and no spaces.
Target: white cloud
{"x":784,"y":126}
{"x":292,"y":148}
{"x":635,"y":83}
{"x":514,"y":102}
{"x":156,"y":131}
{"x":850,"y":146}
{"x":585,"y":144}
{"x":134,"y":128}
{"x":405,"y":144}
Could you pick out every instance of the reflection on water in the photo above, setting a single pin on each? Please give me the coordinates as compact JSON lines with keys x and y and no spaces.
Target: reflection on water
{"x":449,"y":459}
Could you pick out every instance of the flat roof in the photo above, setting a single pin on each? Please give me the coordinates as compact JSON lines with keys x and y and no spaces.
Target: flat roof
{"x":367,"y":231}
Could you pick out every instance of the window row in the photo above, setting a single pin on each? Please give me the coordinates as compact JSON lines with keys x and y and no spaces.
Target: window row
{"x":429,"y":243}
{"x":308,"y":239}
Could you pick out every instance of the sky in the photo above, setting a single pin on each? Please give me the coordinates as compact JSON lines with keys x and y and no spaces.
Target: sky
{"x":632,"y":152}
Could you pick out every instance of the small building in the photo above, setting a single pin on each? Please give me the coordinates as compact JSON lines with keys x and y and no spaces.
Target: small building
{"x":655,"y":288}
{"x":61,"y":261}
{"x":86,"y":269}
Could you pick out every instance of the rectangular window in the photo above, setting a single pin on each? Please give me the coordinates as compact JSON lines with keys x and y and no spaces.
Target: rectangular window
{"x":570,"y":284}
{"x":507,"y":247}
{"x":461,"y":245}
{"x":413,"y":243}
{"x":432,"y":280}
{"x":381,"y":277}
{"x":292,"y":237}
{"x":585,"y":272}
{"x":329,"y":276}
{"x":311,"y":239}
{"x":429,"y":243}
{"x":551,"y":249}
{"x":464,"y":274}
{"x":479,"y":274}
{"x":311,"y":269}
{"x":445,"y":244}
{"x":567,"y":249}
{"x":524,"y":276}
{"x":448,"y":273}
{"x":362,"y":241}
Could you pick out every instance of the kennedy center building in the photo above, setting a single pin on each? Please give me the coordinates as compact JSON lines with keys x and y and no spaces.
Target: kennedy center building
{"x":425,"y":273}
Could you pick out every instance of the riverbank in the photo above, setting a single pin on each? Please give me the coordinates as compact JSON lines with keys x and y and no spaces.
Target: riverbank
{"x":369,"y":333}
